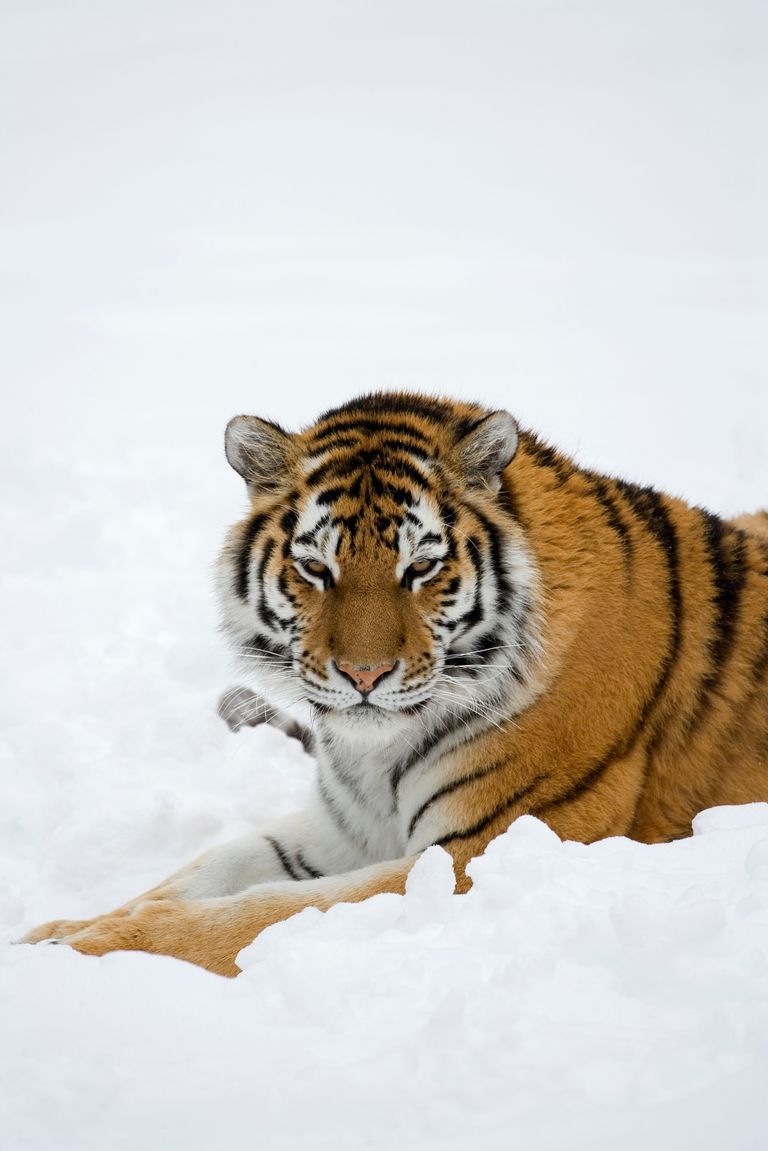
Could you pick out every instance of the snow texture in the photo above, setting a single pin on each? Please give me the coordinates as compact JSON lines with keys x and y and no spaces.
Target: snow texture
{"x":211,"y":208}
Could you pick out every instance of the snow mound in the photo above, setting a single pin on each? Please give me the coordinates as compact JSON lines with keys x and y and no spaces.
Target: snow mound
{"x":576,"y":996}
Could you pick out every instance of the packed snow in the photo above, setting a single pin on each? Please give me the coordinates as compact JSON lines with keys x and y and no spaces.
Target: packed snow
{"x":212,"y":208}
{"x":603,"y":994}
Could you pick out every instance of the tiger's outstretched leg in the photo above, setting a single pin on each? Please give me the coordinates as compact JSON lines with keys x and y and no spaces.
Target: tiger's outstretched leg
{"x":207,"y":912}
{"x":211,"y":932}
{"x":303,"y":846}
{"x":240,"y":707}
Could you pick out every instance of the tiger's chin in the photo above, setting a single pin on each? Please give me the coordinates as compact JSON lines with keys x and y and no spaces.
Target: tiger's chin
{"x":368,"y":719}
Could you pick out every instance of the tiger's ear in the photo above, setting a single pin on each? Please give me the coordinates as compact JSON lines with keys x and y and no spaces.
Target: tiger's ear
{"x":484,"y":452}
{"x":260,"y":451}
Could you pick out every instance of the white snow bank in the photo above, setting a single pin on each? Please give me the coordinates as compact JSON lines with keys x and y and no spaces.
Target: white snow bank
{"x":577,"y":996}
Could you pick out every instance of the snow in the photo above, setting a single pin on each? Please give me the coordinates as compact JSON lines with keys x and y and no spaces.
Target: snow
{"x":604,"y":993}
{"x":208,"y":209}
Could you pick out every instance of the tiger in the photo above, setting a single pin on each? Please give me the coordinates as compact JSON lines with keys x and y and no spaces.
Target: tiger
{"x":480,"y":629}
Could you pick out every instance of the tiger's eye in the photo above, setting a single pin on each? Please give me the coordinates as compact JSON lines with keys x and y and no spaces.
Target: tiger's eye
{"x":315,"y":567}
{"x":417,"y":569}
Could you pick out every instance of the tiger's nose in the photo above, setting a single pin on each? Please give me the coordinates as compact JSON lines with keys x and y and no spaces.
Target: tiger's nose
{"x":364,"y":676}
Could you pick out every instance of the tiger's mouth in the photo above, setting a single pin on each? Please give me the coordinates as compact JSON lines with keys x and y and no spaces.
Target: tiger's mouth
{"x":368,"y":707}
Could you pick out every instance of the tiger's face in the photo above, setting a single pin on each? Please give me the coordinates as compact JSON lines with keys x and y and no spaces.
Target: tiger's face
{"x":381,"y":575}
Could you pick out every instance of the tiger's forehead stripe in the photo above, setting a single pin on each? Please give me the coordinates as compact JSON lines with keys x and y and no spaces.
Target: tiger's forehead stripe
{"x":428,"y":430}
{"x":348,"y":463}
{"x":382,"y":467}
{"x":318,"y":443}
{"x":323,"y":432}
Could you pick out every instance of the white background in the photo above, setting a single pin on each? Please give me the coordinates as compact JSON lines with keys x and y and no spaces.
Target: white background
{"x":554,"y":206}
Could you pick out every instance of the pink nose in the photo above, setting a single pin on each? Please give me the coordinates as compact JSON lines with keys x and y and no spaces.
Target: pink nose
{"x":364,"y":676}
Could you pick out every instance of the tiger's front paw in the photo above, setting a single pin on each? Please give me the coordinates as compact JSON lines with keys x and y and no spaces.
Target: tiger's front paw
{"x":55,"y":930}
{"x":241,"y":707}
{"x":161,"y":927}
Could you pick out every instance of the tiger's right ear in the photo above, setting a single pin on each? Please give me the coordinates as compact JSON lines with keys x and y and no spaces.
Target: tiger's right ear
{"x":484,"y":452}
{"x":260,"y":451}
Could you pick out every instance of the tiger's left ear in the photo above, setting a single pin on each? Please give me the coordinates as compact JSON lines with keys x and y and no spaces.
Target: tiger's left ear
{"x":484,"y":452}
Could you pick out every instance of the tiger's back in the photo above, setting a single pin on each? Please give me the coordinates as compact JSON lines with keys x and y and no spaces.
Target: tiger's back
{"x":671,"y":627}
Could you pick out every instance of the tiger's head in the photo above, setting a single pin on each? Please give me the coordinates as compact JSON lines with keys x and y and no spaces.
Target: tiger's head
{"x":381,"y":574}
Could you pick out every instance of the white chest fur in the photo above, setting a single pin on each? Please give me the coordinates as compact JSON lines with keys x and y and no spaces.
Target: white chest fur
{"x":373,"y":788}
{"x":355,"y":780}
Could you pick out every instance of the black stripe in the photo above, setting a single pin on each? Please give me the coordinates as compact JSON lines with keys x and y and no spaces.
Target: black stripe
{"x":340,"y":442}
{"x":545,"y":456}
{"x":488,"y":648}
{"x":382,"y":454}
{"x":403,"y":469}
{"x":309,"y":537}
{"x":508,"y":502}
{"x":387,"y":527}
{"x":243,"y":563}
{"x":650,"y":508}
{"x":350,"y":523}
{"x":495,"y":813}
{"x":346,"y":781}
{"x":448,"y":514}
{"x":426,"y":747}
{"x":331,"y":495}
{"x":333,"y":810}
{"x":448,"y":517}
{"x":288,"y":520}
{"x":419,"y":453}
{"x":281,"y":854}
{"x":648,"y":505}
{"x":336,"y":468}
{"x":727,"y":556}
{"x":392,"y":492}
{"x":374,"y":427}
{"x":341,"y":467}
{"x":454,"y":785}
{"x":354,"y":488}
{"x":262,"y":643}
{"x":464,"y":425}
{"x":383,"y":403}
{"x":582,"y":785}
{"x":282,"y":584}
{"x":311,"y":871}
{"x":503,"y":590}
{"x":602,"y":493}
{"x":265,"y":613}
{"x":474,"y":616}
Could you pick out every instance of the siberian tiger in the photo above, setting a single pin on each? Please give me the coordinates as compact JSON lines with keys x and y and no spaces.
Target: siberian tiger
{"x":483,"y":629}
